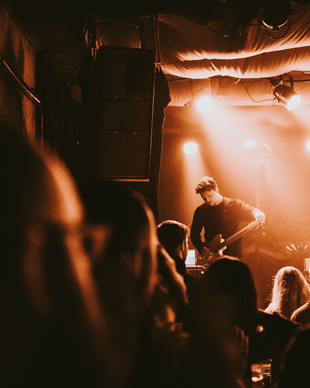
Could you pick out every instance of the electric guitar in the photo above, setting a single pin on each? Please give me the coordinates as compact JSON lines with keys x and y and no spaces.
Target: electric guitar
{"x":218,"y":245}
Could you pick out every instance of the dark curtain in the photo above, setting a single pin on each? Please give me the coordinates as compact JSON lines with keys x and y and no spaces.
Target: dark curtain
{"x":61,"y":116}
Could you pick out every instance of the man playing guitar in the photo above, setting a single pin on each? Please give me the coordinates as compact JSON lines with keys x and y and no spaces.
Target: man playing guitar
{"x":219,"y":217}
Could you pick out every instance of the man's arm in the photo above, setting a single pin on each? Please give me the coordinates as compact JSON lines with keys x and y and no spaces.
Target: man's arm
{"x":247,"y":212}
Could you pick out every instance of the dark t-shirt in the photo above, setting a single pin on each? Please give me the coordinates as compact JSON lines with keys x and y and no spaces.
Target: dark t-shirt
{"x":221,"y":219}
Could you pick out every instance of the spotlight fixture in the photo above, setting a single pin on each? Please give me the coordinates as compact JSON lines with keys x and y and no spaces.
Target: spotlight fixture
{"x":285,"y":95}
{"x":274,"y":14}
{"x":190,"y":148}
{"x":249,"y":143}
{"x":204,"y":104}
{"x":201,"y":100}
{"x":252,"y":151}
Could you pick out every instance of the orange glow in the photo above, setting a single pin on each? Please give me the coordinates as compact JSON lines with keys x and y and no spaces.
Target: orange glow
{"x":293,"y":102}
{"x":300,"y":117}
{"x":226,"y":130}
{"x":222,"y":135}
{"x":286,"y":96}
{"x":190,"y":148}
{"x":193,"y":168}
{"x":249,"y":143}
{"x":205,"y":104}
{"x":178,"y":179}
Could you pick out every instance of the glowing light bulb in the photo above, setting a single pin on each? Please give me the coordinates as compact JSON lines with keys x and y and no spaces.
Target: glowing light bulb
{"x":190,"y":148}
{"x":293,"y":102}
{"x":205,"y":104}
{"x":249,"y":143}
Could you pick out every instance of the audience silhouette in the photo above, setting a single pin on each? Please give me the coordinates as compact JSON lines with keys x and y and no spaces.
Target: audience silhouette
{"x":302,"y":313}
{"x":225,"y":312}
{"x":92,"y":298}
{"x":290,"y":291}
{"x":52,"y":330}
{"x":142,"y":292}
{"x":294,"y":366}
{"x":173,"y":236}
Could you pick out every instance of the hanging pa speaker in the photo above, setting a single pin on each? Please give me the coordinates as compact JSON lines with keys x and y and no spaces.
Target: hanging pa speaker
{"x":123,"y":87}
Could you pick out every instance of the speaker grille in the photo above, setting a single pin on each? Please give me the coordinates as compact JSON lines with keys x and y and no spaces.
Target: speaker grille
{"x":125,"y":115}
{"x":124,"y":103}
{"x":124,"y":154}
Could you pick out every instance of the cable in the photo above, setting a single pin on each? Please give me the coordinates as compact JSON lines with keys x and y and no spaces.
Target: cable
{"x":267,"y":99}
{"x":280,"y":37}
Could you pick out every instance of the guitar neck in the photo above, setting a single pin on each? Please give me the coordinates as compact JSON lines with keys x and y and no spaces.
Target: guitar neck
{"x":234,"y":237}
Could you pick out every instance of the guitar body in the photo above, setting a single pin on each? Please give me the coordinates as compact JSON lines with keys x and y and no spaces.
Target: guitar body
{"x":214,"y":249}
{"x":215,"y":244}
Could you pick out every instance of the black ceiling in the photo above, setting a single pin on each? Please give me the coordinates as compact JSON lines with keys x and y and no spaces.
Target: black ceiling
{"x":57,"y":25}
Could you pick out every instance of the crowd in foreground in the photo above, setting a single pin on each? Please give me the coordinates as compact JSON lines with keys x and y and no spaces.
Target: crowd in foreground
{"x":90,"y":296}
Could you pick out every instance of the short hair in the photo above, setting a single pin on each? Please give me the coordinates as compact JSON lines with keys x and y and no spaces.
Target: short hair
{"x":205,"y":183}
{"x":171,"y":234}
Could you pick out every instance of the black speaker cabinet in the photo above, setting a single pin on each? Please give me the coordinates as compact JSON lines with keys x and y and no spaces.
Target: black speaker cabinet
{"x":124,"y":94}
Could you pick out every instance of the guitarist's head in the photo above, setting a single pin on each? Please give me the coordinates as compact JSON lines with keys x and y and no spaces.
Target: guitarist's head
{"x":209,"y":191}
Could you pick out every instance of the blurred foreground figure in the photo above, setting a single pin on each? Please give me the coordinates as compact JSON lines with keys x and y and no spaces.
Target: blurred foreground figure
{"x":294,"y":369}
{"x":142,"y":293}
{"x":225,"y":313}
{"x":139,"y":285}
{"x":51,"y":327}
{"x":227,"y":299}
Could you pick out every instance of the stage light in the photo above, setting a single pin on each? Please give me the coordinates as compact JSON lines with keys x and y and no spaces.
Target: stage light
{"x":190,"y":148}
{"x":201,"y":100}
{"x":252,"y":151}
{"x":249,"y":143}
{"x":274,"y":14}
{"x":286,"y":96}
{"x":204,"y":104}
